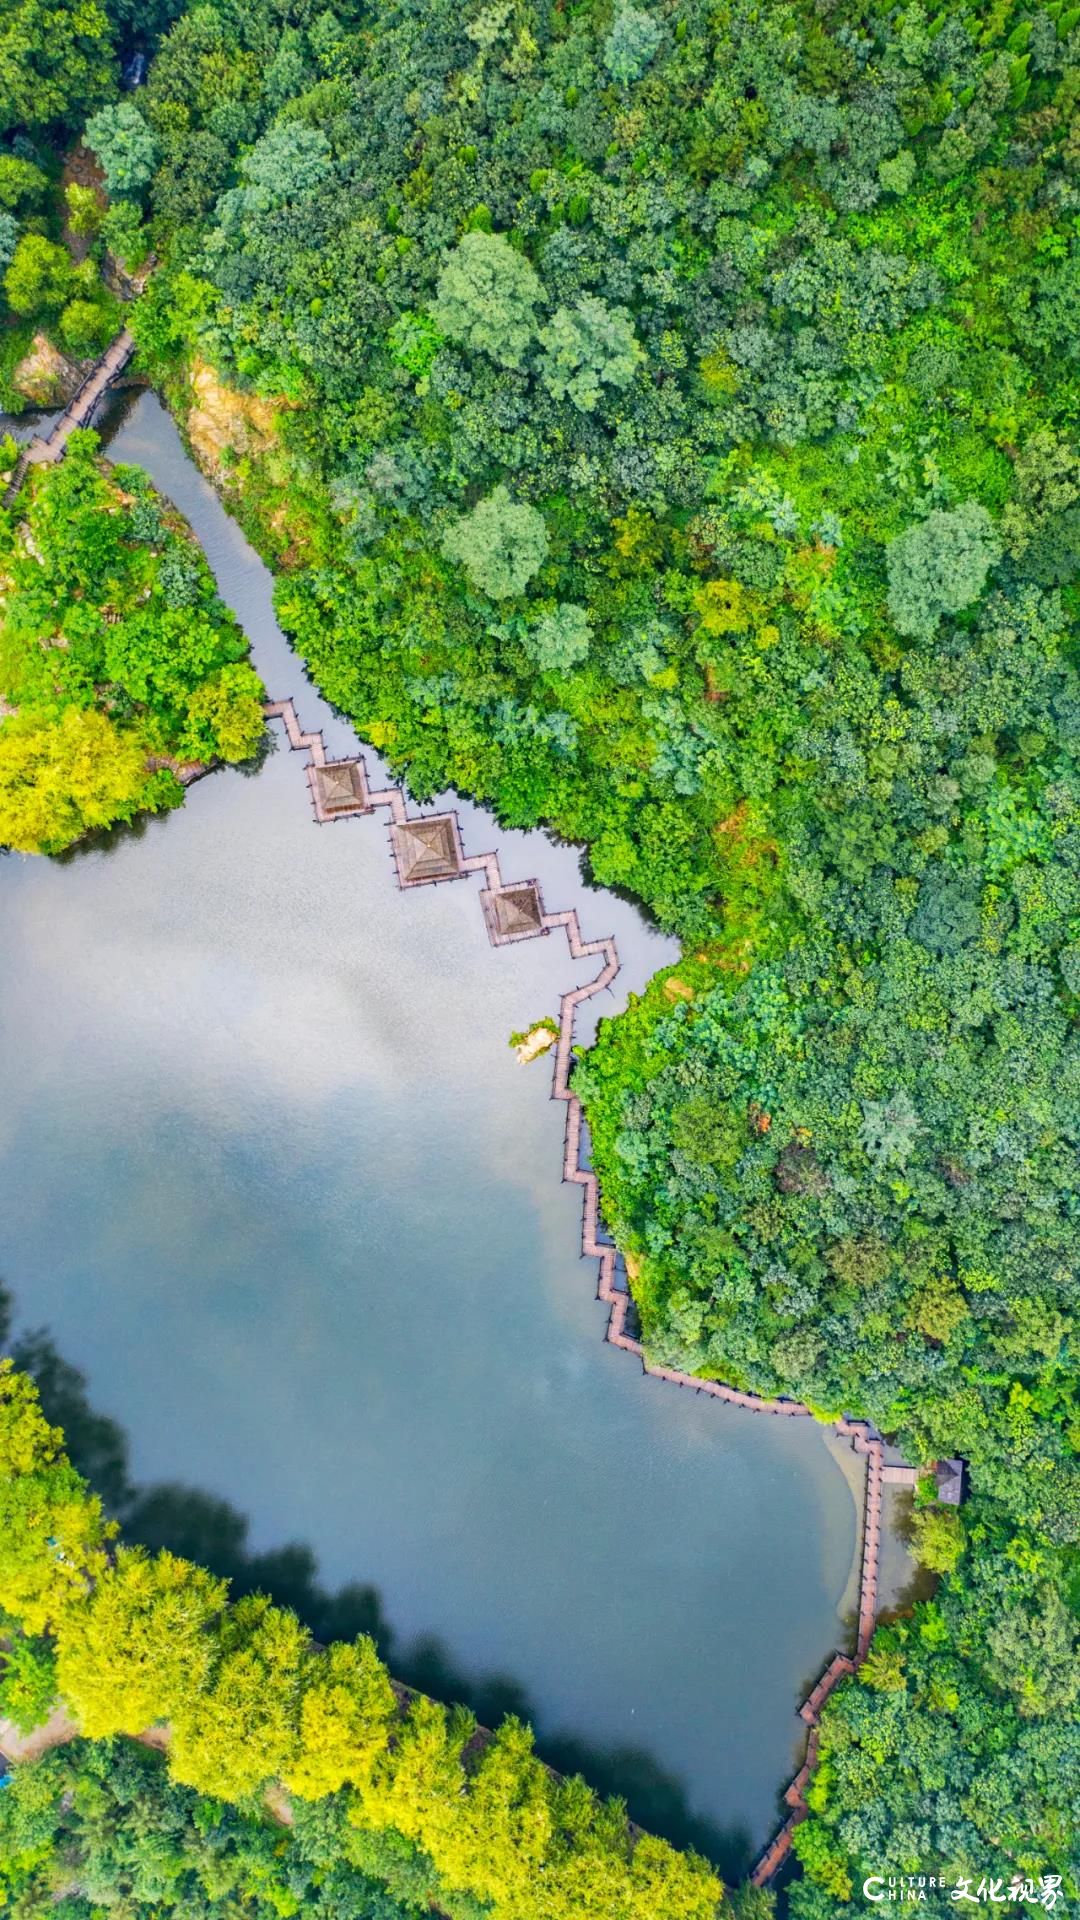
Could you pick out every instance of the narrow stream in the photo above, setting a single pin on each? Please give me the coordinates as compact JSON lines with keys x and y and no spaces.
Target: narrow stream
{"x":272,"y":1178}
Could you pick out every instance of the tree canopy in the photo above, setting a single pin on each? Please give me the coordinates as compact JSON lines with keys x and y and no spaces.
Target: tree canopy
{"x":119,"y":666}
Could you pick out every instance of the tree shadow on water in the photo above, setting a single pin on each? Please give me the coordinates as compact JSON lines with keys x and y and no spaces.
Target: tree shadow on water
{"x":655,"y":1798}
{"x":207,"y":1529}
{"x":199,"y":1526}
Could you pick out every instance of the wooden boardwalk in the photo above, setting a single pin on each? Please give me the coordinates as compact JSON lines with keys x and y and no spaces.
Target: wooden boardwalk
{"x":78,"y":413}
{"x":862,"y":1437}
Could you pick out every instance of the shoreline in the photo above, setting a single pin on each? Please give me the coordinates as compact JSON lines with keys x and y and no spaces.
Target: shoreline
{"x":514,"y":911}
{"x":448,"y":861}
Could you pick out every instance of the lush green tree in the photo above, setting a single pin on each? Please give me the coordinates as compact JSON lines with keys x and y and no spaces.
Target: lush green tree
{"x":40,"y":278}
{"x":560,"y":638}
{"x":22,"y":183}
{"x":940,"y":566}
{"x":124,"y":234}
{"x":27,"y":1678}
{"x":105,"y":1816}
{"x":631,"y":44}
{"x":501,"y":544}
{"x":56,"y":62}
{"x":125,"y":147}
{"x":585,"y":347}
{"x":86,"y":326}
{"x":1034,"y":1653}
{"x":487,"y":297}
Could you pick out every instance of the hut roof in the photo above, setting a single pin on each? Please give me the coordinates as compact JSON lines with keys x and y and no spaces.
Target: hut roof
{"x":950,"y":1481}
{"x":340,"y":787}
{"x":518,"y":910}
{"x":427,"y":849}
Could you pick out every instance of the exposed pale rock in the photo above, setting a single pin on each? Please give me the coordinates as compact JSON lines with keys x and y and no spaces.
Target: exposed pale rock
{"x":45,"y":376}
{"x":223,"y":420}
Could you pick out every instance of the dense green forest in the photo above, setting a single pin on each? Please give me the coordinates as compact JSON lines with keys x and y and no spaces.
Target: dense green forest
{"x":98,"y":1829}
{"x":663,"y":421}
{"x":58,"y":286}
{"x":120,"y":669}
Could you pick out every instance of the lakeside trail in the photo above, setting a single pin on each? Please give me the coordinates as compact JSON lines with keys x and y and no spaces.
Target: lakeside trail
{"x":427,"y":850}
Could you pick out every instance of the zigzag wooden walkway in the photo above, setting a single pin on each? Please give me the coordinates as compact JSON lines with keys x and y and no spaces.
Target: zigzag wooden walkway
{"x":861,"y":1435}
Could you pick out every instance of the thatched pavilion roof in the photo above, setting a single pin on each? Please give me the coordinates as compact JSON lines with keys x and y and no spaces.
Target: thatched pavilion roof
{"x":427,"y":849}
{"x":513,"y":913}
{"x":340,"y":787}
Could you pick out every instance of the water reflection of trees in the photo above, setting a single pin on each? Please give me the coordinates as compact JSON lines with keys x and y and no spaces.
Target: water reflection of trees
{"x":205,"y":1528}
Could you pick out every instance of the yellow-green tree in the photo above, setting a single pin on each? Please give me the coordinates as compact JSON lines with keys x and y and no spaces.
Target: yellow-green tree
{"x":62,"y":778}
{"x":345,"y":1713}
{"x":140,"y":1645}
{"x":938,"y":1538}
{"x":596,"y":1868}
{"x":664,"y":1884}
{"x":238,"y":1730}
{"x":52,"y":1530}
{"x":500,"y":1839}
{"x":225,"y":716}
{"x":419,"y":1782}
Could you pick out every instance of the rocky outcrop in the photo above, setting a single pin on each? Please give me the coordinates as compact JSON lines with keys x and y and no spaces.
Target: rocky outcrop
{"x":45,"y":377}
{"x":223,"y":423}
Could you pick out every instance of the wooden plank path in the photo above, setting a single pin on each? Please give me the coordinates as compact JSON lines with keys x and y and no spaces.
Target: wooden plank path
{"x":864,"y":1440}
{"x":78,"y":412}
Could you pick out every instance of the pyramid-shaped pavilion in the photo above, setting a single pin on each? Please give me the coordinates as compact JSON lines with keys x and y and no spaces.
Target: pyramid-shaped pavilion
{"x":339,"y":788}
{"x":513,"y":913}
{"x":427,"y":849}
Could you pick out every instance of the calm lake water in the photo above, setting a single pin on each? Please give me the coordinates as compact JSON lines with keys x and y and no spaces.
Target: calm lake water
{"x":272,"y":1178}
